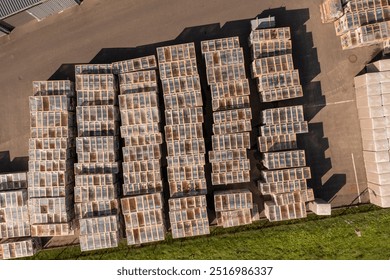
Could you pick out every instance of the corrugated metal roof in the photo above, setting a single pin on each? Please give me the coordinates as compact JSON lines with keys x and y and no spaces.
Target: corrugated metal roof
{"x":51,"y":7}
{"x":11,"y":7}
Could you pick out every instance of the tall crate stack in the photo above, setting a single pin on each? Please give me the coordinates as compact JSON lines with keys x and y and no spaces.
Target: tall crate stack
{"x":98,"y":167}
{"x":51,"y":158}
{"x":184,"y":137}
{"x":285,"y":175}
{"x":373,"y":102}
{"x":232,"y":115}
{"x":142,"y":205}
{"x":359,"y":23}
{"x":15,"y":240}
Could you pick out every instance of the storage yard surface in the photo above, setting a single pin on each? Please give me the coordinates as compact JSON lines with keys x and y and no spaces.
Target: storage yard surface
{"x":106,"y":31}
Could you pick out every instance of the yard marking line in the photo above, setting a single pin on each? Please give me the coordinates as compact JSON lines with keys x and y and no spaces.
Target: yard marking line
{"x":356,"y":179}
{"x":332,"y":103}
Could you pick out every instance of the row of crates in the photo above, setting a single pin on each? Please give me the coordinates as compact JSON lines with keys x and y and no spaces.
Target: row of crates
{"x":52,"y":155}
{"x":283,"y":115}
{"x":97,"y":147}
{"x":19,"y":248}
{"x":229,"y":87}
{"x":180,"y":68}
{"x":142,"y":206}
{"x":135,"y":64}
{"x":183,"y":100}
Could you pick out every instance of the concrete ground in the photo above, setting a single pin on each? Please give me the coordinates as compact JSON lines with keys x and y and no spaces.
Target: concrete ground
{"x":105,"y":31}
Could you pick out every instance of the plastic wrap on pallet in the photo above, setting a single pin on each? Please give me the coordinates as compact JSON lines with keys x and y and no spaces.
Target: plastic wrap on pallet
{"x":286,"y":174}
{"x":186,"y":147}
{"x":184,"y":131}
{"x":97,"y":225}
{"x":227,"y":155}
{"x":230,"y":103}
{"x":96,"y":97}
{"x":96,"y":193}
{"x":233,"y":88}
{"x":176,"y":53}
{"x":139,"y":203}
{"x":232,"y":177}
{"x":145,"y":234}
{"x":284,"y":128}
{"x":220,"y":44}
{"x":282,"y":187}
{"x":181,"y":84}
{"x":52,"y":119}
{"x":51,"y":103}
{"x":226,"y":73}
{"x":231,"y":141}
{"x":178,"y":68}
{"x":273,"y":64}
{"x":232,"y":127}
{"x":100,"y":208}
{"x":138,"y":77}
{"x":99,"y":241}
{"x":277,"y":142}
{"x":284,"y":212}
{"x":138,"y":100}
{"x":135,"y":64}
{"x":142,"y":177}
{"x":18,"y":249}
{"x":270,"y":48}
{"x":281,"y":94}
{"x":285,"y":159}
{"x":183,"y":100}
{"x":187,"y":187}
{"x":45,"y":88}
{"x":186,"y":160}
{"x":233,"y":200}
{"x":43,"y":230}
{"x":224,"y":57}
{"x":53,"y":132}
{"x":142,"y":188}
{"x":282,"y":33}
{"x":138,"y":130}
{"x":95,"y":82}
{"x":13,"y":181}
{"x":234,"y":218}
{"x":139,"y":87}
{"x":93,"y":69}
{"x":185,"y":173}
{"x":137,"y":153}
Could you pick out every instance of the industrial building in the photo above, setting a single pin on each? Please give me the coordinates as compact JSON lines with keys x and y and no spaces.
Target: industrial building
{"x":373,"y":103}
{"x":14,"y":13}
{"x":358,"y":22}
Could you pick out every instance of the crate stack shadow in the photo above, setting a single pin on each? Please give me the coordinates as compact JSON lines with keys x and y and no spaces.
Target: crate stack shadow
{"x":98,"y":168}
{"x":142,"y":205}
{"x":15,"y":233}
{"x":284,"y":174}
{"x":51,"y":158}
{"x":184,"y":137}
{"x":232,"y":115}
